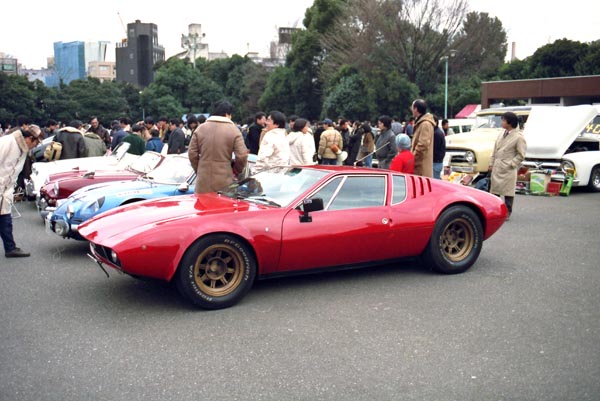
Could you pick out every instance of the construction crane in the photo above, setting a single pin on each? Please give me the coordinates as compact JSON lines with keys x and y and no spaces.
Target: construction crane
{"x":124,"y":29}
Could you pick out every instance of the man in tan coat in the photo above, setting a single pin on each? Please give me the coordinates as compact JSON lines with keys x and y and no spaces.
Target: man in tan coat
{"x":422,"y":139}
{"x":211,"y":147}
{"x":509,"y":152}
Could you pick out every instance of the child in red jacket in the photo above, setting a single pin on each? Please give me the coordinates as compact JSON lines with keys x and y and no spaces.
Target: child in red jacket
{"x":404,"y":161}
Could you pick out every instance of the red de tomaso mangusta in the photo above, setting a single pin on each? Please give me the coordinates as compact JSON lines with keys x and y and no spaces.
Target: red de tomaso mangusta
{"x":294,"y":220}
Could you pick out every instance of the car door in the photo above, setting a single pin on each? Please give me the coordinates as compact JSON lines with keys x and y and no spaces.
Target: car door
{"x":349,"y":229}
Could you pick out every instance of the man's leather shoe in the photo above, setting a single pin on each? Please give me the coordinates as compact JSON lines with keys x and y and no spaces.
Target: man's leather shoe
{"x":16,"y":253}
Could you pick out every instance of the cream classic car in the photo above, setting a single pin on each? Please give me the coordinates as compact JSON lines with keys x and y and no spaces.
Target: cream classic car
{"x":470,"y":152}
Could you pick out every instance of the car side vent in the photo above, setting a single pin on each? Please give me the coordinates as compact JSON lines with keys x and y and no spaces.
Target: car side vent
{"x":420,"y":185}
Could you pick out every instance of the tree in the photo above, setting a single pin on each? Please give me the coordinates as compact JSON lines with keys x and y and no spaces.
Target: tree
{"x":516,"y":69}
{"x":349,"y":97}
{"x":557,"y":59}
{"x":589,"y":64}
{"x":277,"y":94}
{"x":409,"y":36}
{"x":481,"y":46}
{"x":17,"y":97}
{"x":252,"y":87}
{"x":297,"y":88}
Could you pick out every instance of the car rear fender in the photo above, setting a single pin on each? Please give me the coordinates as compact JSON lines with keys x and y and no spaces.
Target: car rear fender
{"x":471,"y":206}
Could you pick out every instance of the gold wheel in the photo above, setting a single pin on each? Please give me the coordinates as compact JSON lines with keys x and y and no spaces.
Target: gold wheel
{"x":219,"y":270}
{"x":457,"y":240}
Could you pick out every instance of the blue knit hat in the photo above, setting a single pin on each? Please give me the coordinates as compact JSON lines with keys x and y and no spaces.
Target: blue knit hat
{"x":402,"y":141}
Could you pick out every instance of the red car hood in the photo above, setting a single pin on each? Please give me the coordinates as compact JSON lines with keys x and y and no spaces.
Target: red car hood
{"x":131,"y":218}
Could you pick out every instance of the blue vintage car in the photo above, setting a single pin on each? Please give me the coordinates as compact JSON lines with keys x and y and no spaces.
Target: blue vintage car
{"x":174,"y":176}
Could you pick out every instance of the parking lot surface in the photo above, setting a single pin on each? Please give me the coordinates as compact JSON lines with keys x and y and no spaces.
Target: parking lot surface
{"x":522,"y":324}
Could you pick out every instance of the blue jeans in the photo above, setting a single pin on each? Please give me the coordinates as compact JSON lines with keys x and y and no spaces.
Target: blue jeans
{"x":368,"y":161}
{"x":437,"y":170}
{"x":6,"y":230}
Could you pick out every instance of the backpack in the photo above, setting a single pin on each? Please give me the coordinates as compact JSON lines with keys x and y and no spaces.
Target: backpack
{"x":53,"y":151}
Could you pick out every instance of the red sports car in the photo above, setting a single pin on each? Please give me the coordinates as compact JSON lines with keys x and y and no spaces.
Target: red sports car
{"x":290,"y":220}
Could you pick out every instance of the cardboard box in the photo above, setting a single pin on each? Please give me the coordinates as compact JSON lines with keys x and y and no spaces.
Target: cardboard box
{"x":538,"y":182}
{"x":553,"y":188}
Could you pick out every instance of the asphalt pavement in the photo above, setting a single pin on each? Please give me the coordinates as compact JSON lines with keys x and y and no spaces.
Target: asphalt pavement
{"x":522,"y":324}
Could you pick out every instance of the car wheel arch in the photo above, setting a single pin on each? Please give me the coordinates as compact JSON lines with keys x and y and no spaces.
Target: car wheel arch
{"x":129,"y":201}
{"x":471,"y":206}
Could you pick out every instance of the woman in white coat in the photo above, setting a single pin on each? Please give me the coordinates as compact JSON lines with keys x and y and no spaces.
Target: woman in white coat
{"x":302,"y":144}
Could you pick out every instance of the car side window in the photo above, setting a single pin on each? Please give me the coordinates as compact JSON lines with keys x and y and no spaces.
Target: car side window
{"x":326,"y":193}
{"x":399,"y":189}
{"x":359,"y":192}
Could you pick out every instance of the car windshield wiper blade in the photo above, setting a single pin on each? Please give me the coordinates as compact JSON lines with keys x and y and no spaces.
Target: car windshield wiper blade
{"x":263,"y":199}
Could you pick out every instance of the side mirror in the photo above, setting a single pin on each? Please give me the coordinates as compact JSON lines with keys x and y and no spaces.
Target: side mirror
{"x":183,"y":187}
{"x":310,"y":205}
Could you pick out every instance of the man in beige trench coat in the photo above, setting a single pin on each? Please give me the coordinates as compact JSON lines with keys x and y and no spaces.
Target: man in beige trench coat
{"x":211,"y":147}
{"x":509,"y":152}
{"x":422,"y":139}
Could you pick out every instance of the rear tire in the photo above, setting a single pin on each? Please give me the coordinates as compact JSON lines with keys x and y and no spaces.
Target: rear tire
{"x":216,"y":272}
{"x":455,"y":242}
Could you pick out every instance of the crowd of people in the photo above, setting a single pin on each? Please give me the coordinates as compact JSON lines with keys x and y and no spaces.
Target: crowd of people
{"x":415,"y":147}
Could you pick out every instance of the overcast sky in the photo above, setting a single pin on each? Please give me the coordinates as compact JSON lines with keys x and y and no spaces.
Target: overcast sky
{"x":29,"y":28}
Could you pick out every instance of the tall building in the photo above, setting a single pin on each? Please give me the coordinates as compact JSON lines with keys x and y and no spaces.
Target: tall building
{"x":135,"y":56}
{"x":69,"y":63}
{"x":71,"y":60}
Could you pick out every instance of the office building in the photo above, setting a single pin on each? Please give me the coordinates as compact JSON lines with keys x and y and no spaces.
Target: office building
{"x":138,"y":53}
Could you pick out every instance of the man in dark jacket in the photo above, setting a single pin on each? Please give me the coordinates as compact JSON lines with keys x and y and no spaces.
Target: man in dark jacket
{"x":176,"y":138}
{"x":124,"y":128}
{"x":99,"y":130}
{"x":254,"y":131}
{"x":439,"y":149}
{"x":71,"y":139}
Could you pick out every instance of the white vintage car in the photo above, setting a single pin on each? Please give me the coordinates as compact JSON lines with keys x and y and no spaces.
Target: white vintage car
{"x":563,"y":139}
{"x":119,"y":159}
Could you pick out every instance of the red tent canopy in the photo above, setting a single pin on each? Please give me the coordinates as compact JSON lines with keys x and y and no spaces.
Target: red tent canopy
{"x":468,"y":111}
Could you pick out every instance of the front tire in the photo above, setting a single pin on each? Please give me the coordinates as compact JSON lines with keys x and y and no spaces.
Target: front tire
{"x":594,"y":183}
{"x":216,"y":272}
{"x":455,"y":242}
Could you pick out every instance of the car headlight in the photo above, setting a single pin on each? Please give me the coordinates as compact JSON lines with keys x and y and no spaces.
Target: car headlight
{"x":567,"y":167}
{"x":470,"y":156}
{"x":56,"y":187}
{"x":92,"y":207}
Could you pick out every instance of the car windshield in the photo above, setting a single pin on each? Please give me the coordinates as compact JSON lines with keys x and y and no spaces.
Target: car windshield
{"x":120,"y":150}
{"x":173,"y":170}
{"x":276,"y":187}
{"x":489,"y":121}
{"x":146,"y":162}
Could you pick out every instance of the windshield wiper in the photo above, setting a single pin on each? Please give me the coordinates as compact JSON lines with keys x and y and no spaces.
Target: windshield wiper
{"x":263,"y":199}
